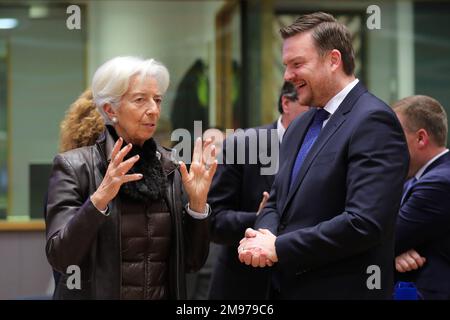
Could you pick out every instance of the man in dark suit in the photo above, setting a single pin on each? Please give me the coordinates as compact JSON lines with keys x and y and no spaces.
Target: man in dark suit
{"x":422,"y":243}
{"x":238,"y":192}
{"x":328,"y":225}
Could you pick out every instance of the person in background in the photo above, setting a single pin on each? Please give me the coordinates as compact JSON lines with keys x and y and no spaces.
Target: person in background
{"x":81,"y":126}
{"x":237,"y":194}
{"x":199,"y":282}
{"x":422,"y":235}
{"x":289,"y":108}
{"x":128,"y":217}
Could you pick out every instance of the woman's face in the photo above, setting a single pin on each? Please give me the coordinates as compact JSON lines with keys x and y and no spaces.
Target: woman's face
{"x":139,"y":110}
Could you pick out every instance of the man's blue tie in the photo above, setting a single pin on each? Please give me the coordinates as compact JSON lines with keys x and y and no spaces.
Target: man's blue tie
{"x":310,"y":137}
{"x":407,"y":187}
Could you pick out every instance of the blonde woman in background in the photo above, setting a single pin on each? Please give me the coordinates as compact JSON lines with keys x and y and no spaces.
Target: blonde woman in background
{"x":82,"y":124}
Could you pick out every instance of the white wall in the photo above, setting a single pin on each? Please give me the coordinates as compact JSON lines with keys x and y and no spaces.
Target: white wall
{"x":46,"y":76}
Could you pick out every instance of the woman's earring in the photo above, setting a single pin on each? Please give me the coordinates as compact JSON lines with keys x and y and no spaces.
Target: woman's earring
{"x":114,"y":120}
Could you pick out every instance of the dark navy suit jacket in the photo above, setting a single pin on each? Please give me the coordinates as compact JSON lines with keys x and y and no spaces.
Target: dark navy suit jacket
{"x":336,"y":224}
{"x":235,"y":195}
{"x":423,"y":224}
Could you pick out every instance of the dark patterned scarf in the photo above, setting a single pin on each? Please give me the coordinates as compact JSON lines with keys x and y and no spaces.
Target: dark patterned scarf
{"x":153,"y":184}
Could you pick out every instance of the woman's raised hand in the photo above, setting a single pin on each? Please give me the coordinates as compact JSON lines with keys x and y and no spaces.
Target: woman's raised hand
{"x":198,"y":180}
{"x":115,"y":175}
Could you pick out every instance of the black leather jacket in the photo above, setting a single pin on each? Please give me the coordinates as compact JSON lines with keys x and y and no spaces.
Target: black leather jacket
{"x":78,"y":234}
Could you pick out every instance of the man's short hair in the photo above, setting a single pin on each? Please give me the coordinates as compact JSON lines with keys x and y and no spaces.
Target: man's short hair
{"x":327,"y":33}
{"x":289,"y":91}
{"x":423,"y":112}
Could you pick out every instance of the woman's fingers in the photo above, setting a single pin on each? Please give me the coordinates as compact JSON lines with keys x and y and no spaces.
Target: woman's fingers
{"x":131,"y":177}
{"x":208,"y":142}
{"x":125,"y":166}
{"x":204,"y":154}
{"x":208,"y":149}
{"x":197,"y":156}
{"x":184,"y":172}
{"x":209,"y":153}
{"x":121,"y":155}
{"x":212,"y":170}
{"x":116,"y":148}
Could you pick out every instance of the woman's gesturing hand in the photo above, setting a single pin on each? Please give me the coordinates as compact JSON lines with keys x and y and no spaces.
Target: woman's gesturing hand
{"x":115,"y":175}
{"x":198,"y":180}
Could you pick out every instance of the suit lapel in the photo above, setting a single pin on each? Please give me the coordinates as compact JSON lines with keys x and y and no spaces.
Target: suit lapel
{"x":407,"y":191}
{"x":270,"y":178}
{"x":336,"y":120}
{"x":327,"y":132}
{"x":437,"y":162}
{"x":265,"y":150}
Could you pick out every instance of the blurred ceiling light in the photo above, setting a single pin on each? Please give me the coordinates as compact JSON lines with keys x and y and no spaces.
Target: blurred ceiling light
{"x":8,"y":23}
{"x":38,"y":11}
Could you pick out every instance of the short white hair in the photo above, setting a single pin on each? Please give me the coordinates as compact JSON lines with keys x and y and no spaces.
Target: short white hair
{"x":111,"y":80}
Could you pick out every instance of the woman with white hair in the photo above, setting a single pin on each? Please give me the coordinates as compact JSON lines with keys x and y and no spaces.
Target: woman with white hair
{"x":122,"y":212}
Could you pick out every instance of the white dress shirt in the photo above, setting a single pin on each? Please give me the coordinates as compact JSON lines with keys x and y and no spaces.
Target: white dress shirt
{"x":280,"y":129}
{"x":335,"y":102}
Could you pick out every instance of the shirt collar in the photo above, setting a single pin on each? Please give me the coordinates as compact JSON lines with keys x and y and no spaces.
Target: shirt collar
{"x":280,"y":129}
{"x":422,"y":170}
{"x":335,"y":102}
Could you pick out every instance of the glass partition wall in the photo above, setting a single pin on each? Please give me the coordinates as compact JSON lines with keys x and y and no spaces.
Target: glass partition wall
{"x":224,"y":59}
